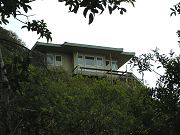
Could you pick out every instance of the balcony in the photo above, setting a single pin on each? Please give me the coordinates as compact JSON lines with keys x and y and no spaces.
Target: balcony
{"x":113,"y":74}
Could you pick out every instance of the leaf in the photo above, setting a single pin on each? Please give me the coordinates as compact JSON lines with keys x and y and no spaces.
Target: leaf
{"x":5,"y":21}
{"x":172,"y":9}
{"x":28,"y":6}
{"x":25,"y":8}
{"x":176,"y":7}
{"x":91,"y":18}
{"x":178,"y":11}
{"x":75,"y":9}
{"x":85,"y":12}
{"x":132,"y":2}
{"x":24,"y":27}
{"x":70,"y":8}
{"x":115,"y":7}
{"x":173,"y":13}
{"x":123,"y":9}
{"x":110,"y":9}
{"x":94,"y":11}
{"x":101,"y":8}
{"x":121,"y":12}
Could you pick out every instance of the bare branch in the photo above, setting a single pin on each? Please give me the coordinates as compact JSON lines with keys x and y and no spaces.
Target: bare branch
{"x":17,"y":127}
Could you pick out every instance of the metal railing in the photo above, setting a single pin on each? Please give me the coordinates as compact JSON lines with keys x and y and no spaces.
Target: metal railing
{"x":99,"y":72}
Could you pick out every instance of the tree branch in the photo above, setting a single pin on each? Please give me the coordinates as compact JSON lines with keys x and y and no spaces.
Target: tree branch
{"x":17,"y":126}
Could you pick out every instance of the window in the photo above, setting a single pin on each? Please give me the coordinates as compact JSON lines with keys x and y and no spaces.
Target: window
{"x":58,"y":60}
{"x":89,"y":60}
{"x":54,"y":59}
{"x":80,"y":60}
{"x":99,"y":61}
{"x":50,"y":59}
{"x":114,"y":65}
{"x":107,"y":63}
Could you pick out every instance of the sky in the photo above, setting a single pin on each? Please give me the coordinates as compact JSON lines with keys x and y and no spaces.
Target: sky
{"x":144,"y":27}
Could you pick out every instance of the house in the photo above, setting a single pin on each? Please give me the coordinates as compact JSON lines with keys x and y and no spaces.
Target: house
{"x":85,"y":59}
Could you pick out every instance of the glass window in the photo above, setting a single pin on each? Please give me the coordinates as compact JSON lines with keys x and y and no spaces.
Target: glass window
{"x":80,"y":60}
{"x":99,"y":61}
{"x":50,"y":59}
{"x":58,"y":60}
{"x":114,"y":65}
{"x":89,"y":61}
{"x":107,"y":62}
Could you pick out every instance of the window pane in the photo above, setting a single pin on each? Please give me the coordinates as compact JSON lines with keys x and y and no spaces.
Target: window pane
{"x":89,"y":61}
{"x":58,"y":60}
{"x":50,"y":59}
{"x":114,"y":65}
{"x":80,"y":60}
{"x":107,"y":62}
{"x":99,"y":62}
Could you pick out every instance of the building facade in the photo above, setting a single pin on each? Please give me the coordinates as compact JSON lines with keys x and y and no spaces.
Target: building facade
{"x":84,"y":59}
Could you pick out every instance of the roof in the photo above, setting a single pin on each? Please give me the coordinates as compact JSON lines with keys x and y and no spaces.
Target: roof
{"x":92,"y":47}
{"x":45,"y":44}
{"x":75,"y":45}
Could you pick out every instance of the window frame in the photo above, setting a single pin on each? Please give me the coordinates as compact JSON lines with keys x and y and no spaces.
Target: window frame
{"x":97,"y":61}
{"x":55,"y":61}
{"x":110,"y":65}
{"x":86,"y":62}
{"x":83,"y":61}
{"x":115,"y":63}
{"x":47,"y":59}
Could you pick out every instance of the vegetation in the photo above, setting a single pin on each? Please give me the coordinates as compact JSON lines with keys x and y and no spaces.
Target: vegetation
{"x":48,"y":104}
{"x":40,"y":101}
{"x":96,"y":7}
{"x":166,"y":94}
{"x":37,"y":101}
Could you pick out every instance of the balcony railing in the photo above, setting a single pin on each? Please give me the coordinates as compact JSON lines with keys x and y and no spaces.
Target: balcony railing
{"x":104,"y":72}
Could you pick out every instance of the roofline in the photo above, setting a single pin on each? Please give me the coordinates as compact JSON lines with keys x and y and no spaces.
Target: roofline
{"x":46,"y":44}
{"x":92,"y":47}
{"x":83,"y":46}
{"x":129,"y":53}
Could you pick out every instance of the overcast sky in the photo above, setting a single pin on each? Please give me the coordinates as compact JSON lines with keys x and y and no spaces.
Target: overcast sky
{"x":141,"y":29}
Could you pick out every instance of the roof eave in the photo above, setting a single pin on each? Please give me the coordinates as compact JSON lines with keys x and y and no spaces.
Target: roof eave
{"x":92,"y":47}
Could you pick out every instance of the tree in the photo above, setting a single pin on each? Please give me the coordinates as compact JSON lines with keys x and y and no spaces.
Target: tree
{"x":12,"y":72}
{"x":96,"y":7}
{"x":15,"y":8}
{"x":175,"y":10}
{"x":166,"y":94}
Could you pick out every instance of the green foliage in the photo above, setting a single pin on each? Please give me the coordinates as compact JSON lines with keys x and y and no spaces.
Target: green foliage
{"x":42,"y":101}
{"x":15,"y":8}
{"x":95,"y":6}
{"x":166,"y":94}
{"x":83,"y":105}
{"x":40,"y":27}
{"x":12,"y":7}
{"x":9,"y":36}
{"x":175,"y":10}
{"x":51,"y":102}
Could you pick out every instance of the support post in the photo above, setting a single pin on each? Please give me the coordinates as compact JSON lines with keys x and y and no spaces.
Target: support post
{"x":111,"y":68}
{"x":77,"y":62}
